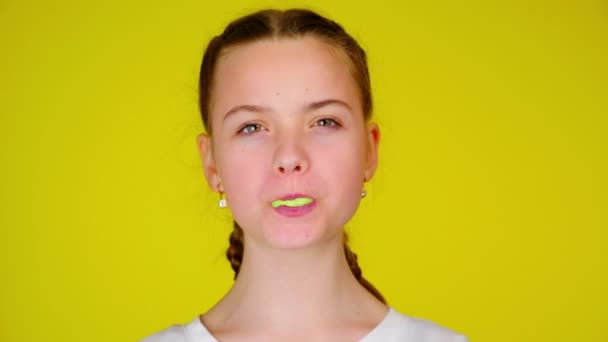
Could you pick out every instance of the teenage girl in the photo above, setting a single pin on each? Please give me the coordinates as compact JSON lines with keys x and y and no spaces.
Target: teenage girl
{"x":286,"y":102}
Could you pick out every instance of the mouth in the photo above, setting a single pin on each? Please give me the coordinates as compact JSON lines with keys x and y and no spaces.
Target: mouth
{"x":294,"y":205}
{"x":293,"y":202}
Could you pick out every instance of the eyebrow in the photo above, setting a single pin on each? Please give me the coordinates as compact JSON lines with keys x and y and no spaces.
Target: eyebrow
{"x":246,"y":108}
{"x":328,"y":102}
{"x":310,"y":106}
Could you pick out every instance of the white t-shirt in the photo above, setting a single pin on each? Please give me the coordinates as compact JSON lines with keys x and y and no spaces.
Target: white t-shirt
{"x":395,"y":327}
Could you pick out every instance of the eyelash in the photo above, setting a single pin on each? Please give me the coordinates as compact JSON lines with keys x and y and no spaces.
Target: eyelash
{"x":334,"y":124}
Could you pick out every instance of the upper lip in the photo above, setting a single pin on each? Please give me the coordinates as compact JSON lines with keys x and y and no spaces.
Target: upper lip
{"x":294,"y":195}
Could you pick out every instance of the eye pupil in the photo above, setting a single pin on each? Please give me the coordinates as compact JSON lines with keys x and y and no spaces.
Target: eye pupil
{"x":325,"y":122}
{"x":251,"y":128}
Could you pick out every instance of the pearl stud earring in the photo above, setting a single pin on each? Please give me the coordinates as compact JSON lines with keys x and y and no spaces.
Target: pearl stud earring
{"x":363,"y":192}
{"x":222,"y":203}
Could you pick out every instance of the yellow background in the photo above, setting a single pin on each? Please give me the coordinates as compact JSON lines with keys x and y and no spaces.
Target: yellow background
{"x":487,"y":214}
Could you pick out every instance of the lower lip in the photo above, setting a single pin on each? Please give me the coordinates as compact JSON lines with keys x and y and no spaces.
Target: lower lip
{"x":295,"y":211}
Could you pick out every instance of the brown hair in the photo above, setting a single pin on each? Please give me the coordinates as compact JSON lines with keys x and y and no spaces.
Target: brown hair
{"x":272,"y":24}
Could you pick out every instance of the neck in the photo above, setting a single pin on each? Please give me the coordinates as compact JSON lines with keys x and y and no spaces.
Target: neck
{"x":291,"y":288}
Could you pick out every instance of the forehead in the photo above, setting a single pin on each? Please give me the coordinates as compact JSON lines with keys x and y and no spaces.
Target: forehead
{"x":277,"y":72}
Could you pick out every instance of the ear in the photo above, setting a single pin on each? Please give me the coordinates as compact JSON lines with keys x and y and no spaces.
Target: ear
{"x":205,"y":148}
{"x":372,"y":134}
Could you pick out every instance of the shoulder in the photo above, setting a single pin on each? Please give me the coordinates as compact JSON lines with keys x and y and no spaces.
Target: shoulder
{"x":400,"y":327}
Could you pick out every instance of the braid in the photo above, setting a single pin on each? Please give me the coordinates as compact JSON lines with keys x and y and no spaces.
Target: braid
{"x":351,"y":258}
{"x":235,"y":250}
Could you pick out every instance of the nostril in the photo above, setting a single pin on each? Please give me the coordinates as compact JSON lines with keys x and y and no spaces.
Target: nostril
{"x":297,"y":168}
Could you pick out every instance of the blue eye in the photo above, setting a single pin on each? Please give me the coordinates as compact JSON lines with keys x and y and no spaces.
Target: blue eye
{"x":327,"y":122}
{"x":250,"y":128}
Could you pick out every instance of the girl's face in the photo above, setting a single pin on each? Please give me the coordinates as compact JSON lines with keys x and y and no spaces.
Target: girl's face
{"x":287,"y":123}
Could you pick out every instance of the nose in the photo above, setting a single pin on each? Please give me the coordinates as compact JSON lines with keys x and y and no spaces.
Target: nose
{"x":290,"y":158}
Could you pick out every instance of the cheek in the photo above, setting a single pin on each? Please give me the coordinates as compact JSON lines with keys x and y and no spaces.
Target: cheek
{"x":344,"y":177}
{"x":342,"y":164}
{"x":241,"y":172}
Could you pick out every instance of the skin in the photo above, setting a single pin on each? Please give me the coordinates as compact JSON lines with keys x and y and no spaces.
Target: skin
{"x":324,"y":152}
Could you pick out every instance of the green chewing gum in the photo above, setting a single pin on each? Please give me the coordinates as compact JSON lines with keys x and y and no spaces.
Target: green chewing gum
{"x":296,"y":202}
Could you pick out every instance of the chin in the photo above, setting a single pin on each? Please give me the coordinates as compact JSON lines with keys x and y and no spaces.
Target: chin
{"x":297,"y":235}
{"x":291,"y":235}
